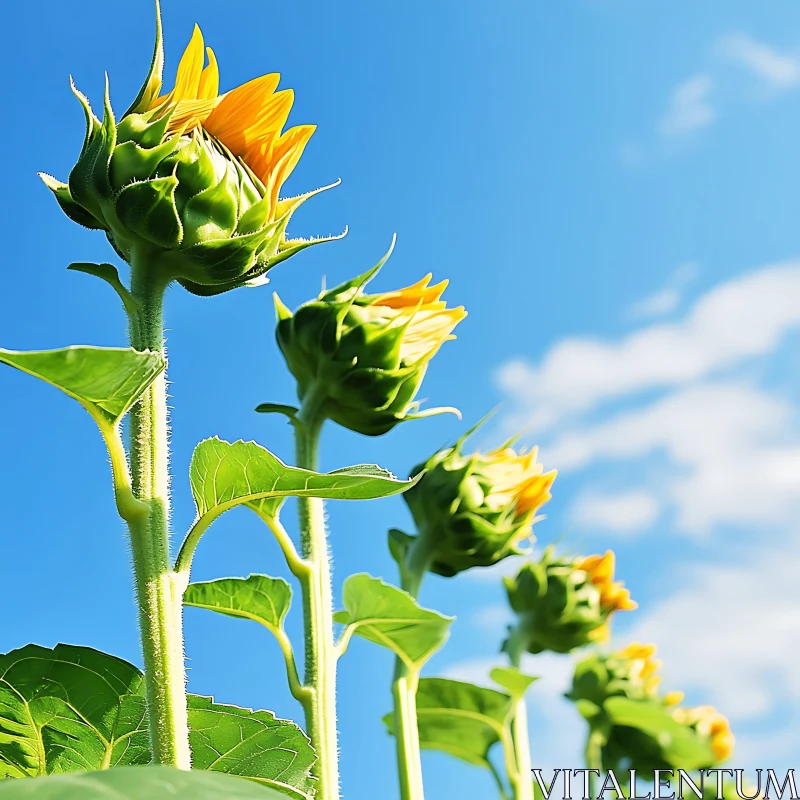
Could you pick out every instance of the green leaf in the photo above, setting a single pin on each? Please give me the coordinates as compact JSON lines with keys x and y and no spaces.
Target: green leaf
{"x":278,"y":408}
{"x":106,"y":381}
{"x":251,"y":744}
{"x":225,"y":475}
{"x":69,"y":709}
{"x":511,"y":679}
{"x":392,"y":618}
{"x":459,"y":718}
{"x":137,"y":783}
{"x":257,"y":597}
{"x":109,"y":274}
{"x":679,"y":743}
{"x":152,"y":83}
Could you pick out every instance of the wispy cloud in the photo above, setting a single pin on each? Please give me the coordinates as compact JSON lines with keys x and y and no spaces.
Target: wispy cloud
{"x":732,"y":451}
{"x":668,"y":298}
{"x":690,"y":107}
{"x":624,"y":512}
{"x":779,"y":69}
{"x":734,"y":322}
{"x":732,"y":638}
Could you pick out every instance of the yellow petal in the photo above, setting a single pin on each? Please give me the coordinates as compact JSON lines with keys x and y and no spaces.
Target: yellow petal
{"x":412,"y":296}
{"x":239,"y":109}
{"x":208,"y":88}
{"x":187,"y":79}
{"x":285,"y":154}
{"x":673,"y":698}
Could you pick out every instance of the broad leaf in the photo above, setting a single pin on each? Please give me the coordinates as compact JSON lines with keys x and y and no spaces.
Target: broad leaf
{"x":679,"y":743}
{"x":512,"y":680}
{"x":106,"y":381}
{"x":225,"y":475}
{"x":137,"y":783}
{"x":459,"y":718}
{"x":257,"y":597}
{"x":251,"y":744}
{"x":69,"y":709}
{"x":72,"y":709}
{"x":391,"y":617}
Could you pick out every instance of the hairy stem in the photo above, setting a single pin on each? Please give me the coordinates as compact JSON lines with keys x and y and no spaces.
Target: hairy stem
{"x":159,"y":591}
{"x":523,"y":782}
{"x":404,"y":689}
{"x":321,"y":655}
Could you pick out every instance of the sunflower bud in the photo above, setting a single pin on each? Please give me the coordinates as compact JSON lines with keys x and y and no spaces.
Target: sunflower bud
{"x":366,"y":355}
{"x":650,"y":732}
{"x":187,"y":182}
{"x":631,"y":672}
{"x":565,"y":603}
{"x":473,"y":510}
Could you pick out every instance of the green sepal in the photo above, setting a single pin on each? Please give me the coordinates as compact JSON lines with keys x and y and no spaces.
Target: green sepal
{"x":89,"y":180}
{"x":152,"y":84}
{"x":360,"y":281}
{"x":75,"y":212}
{"x":211,"y":214}
{"x":148,"y":210}
{"x":92,"y":123}
{"x":130,"y":161}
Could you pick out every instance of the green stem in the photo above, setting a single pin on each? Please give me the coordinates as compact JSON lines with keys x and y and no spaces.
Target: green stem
{"x":523,"y":783}
{"x":321,"y":655}
{"x":406,"y":680}
{"x":159,"y":591}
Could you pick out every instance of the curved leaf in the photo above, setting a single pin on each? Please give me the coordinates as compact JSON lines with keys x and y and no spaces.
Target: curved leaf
{"x":106,"y":381}
{"x":257,"y":597}
{"x":459,"y":718}
{"x":679,"y":743}
{"x":69,"y":709}
{"x":137,"y":783}
{"x":251,"y":744}
{"x":515,"y":682}
{"x":392,"y":618}
{"x":225,"y":475}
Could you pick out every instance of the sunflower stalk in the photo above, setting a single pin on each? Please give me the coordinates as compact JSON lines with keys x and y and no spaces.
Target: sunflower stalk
{"x":158,"y":589}
{"x":521,"y":778}
{"x":406,"y":680}
{"x":321,"y":656}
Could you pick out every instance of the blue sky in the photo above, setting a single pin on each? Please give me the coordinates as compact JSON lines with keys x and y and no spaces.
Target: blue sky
{"x":610,"y":188}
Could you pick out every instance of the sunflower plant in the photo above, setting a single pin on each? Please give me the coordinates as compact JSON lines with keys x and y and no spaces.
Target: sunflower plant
{"x":186,"y":185}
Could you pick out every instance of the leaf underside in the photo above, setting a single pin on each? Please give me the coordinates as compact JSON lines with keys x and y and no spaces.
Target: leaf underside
{"x":106,"y":381}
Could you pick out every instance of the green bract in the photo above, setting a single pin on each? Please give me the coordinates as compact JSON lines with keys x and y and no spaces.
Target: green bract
{"x":354,"y":352}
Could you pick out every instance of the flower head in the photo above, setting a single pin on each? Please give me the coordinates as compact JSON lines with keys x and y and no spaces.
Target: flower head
{"x":563,"y":603}
{"x":189,"y":181}
{"x":476,"y":509}
{"x":708,"y":722}
{"x":366,"y":354}
{"x":618,"y":694}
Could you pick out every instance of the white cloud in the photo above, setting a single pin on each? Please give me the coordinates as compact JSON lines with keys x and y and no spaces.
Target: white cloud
{"x":733,"y":452}
{"x":739,"y":320}
{"x":780,"y":70}
{"x":667,"y":299}
{"x":690,"y":107}
{"x":626,"y":512}
{"x":733,"y":635}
